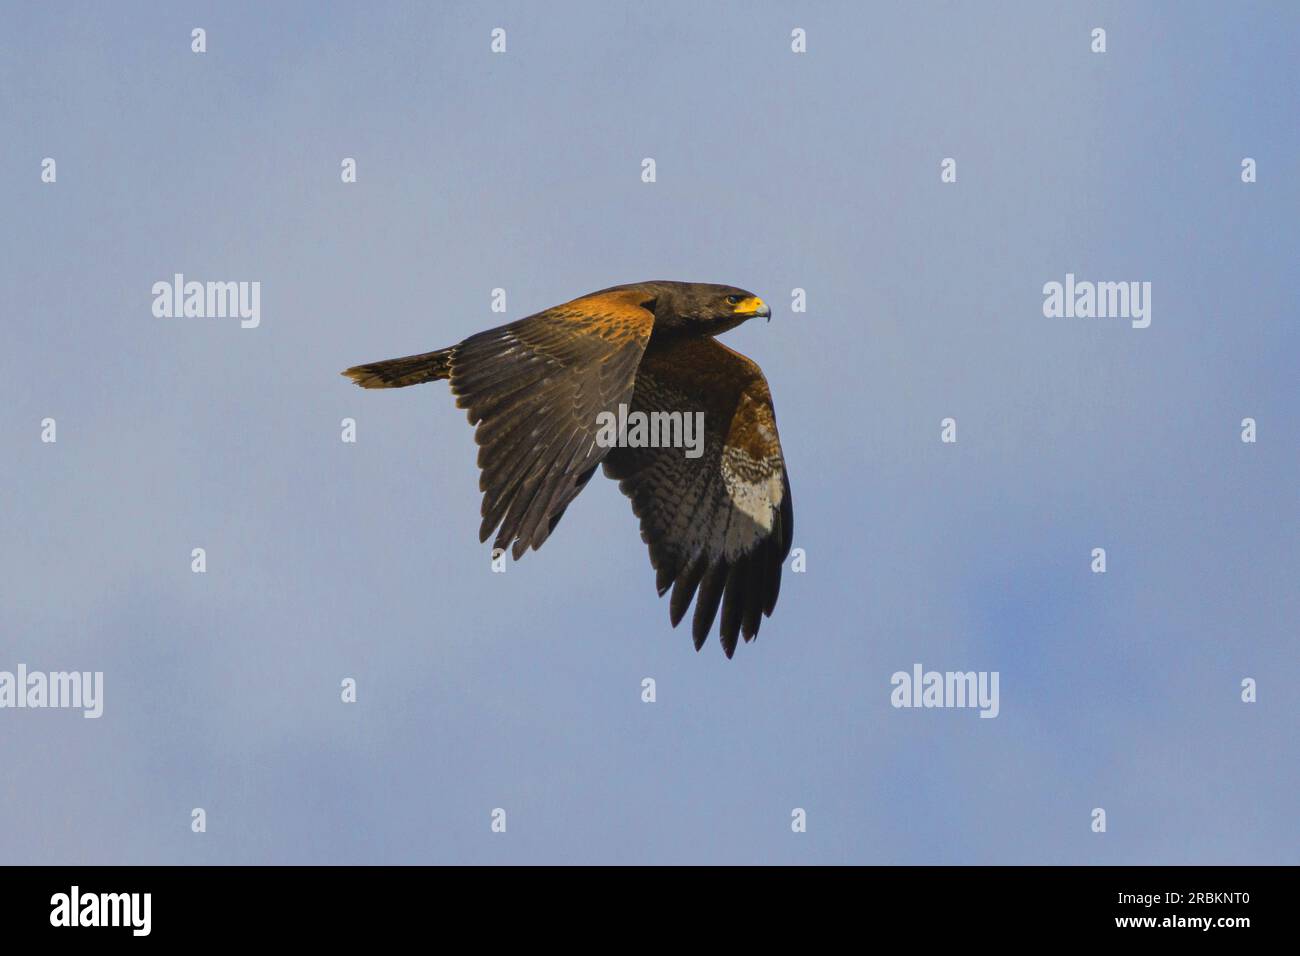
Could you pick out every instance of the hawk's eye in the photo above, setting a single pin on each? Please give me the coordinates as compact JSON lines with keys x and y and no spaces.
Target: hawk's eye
{"x":734,"y":299}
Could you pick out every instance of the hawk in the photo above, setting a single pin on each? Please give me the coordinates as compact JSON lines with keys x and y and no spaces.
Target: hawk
{"x":718,"y":523}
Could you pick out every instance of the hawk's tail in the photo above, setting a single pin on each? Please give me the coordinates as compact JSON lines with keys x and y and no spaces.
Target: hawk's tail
{"x":401,"y":372}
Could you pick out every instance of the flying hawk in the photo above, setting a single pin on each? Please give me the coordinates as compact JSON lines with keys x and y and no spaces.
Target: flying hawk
{"x":718,"y":524}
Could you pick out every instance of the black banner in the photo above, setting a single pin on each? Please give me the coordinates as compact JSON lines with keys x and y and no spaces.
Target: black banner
{"x":332,"y":904}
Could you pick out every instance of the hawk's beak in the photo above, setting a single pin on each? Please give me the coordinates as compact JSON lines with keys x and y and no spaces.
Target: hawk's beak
{"x":754,"y":307}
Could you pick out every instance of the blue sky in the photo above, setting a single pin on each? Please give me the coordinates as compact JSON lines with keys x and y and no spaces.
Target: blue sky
{"x":775,"y":170}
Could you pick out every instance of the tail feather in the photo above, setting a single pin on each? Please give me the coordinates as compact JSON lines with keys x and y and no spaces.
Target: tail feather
{"x":401,"y":372}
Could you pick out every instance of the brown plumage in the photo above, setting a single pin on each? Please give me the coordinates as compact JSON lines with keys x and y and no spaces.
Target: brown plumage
{"x":718,"y":525}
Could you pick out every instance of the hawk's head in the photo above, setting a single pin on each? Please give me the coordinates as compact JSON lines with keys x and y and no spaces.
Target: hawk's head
{"x":703,"y":307}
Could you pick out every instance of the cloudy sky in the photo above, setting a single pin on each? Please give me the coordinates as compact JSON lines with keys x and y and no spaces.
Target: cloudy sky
{"x":775,"y":171}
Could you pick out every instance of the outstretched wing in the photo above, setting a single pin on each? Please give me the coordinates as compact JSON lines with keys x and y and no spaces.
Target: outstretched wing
{"x":535,"y":388}
{"x":719,"y":524}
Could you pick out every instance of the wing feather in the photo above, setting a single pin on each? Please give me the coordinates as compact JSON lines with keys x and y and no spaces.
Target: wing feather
{"x":718,"y":527}
{"x":534,"y":390}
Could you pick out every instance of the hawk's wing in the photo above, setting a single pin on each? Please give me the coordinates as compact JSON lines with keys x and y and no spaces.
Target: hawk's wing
{"x":534,"y":388}
{"x":720,"y":523}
